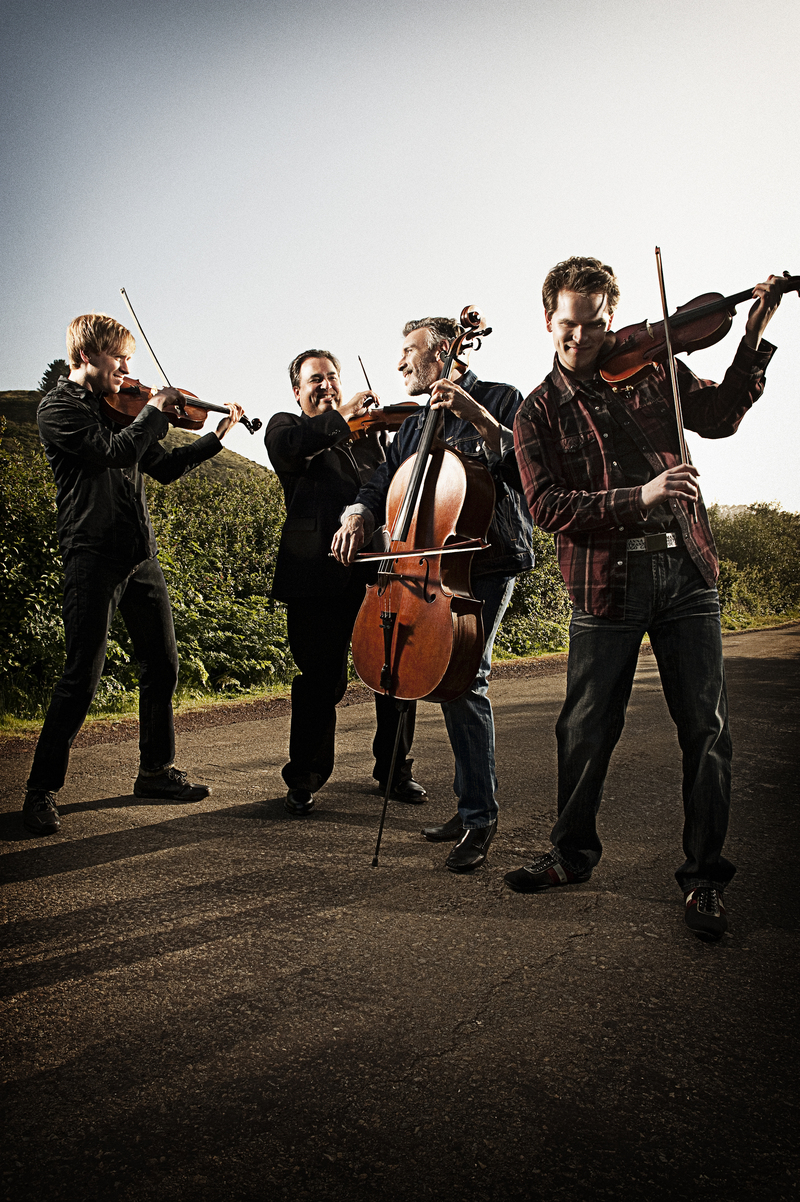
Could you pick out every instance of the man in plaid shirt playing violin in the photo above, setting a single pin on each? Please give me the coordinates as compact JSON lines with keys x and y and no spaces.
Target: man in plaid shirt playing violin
{"x":602,"y":470}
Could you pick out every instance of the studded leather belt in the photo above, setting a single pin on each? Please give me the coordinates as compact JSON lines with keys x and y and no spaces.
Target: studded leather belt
{"x":653,"y":542}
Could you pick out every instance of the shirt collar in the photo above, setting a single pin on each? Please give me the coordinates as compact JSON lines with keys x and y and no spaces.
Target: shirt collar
{"x":73,"y":389}
{"x":568,"y":386}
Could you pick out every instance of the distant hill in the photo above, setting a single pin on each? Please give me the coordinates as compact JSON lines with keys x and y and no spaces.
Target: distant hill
{"x":19,"y":410}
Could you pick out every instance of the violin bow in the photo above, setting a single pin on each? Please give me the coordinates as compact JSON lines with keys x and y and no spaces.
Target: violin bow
{"x":673,"y":375}
{"x":126,"y":298}
{"x":250,"y":425}
{"x":366,"y":377}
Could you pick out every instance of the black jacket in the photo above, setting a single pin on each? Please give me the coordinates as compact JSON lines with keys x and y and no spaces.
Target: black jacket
{"x":98,"y":469}
{"x":321,"y":472}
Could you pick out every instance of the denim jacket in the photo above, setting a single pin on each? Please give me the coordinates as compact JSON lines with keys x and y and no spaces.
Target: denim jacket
{"x":511,"y":530}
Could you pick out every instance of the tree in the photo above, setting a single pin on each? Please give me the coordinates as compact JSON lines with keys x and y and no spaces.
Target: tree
{"x":56,"y":369}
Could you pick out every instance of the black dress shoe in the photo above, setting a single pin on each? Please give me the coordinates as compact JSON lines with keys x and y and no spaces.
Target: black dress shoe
{"x":39,"y":813}
{"x":410,"y":791}
{"x":449,"y":833}
{"x":299,"y":802}
{"x":470,"y":851}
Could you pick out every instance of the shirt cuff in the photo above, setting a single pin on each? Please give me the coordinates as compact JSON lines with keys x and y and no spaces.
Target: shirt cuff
{"x":506,"y":447}
{"x":361,"y":511}
{"x":750,"y":361}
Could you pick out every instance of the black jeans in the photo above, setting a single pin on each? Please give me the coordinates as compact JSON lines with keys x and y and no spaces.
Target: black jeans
{"x":667,"y":598}
{"x":94,"y":588}
{"x":320,"y":629}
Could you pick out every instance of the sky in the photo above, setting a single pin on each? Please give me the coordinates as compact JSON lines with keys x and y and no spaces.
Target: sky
{"x":263,"y":178}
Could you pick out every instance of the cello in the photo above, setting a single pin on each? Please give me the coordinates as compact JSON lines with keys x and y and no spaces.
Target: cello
{"x":419,"y":633}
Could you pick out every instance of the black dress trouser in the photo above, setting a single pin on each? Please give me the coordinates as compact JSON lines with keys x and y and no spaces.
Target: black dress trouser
{"x":320,"y":630}
{"x":94,"y":588}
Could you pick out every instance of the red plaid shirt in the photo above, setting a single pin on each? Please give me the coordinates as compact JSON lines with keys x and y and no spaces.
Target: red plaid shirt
{"x":574,"y":487}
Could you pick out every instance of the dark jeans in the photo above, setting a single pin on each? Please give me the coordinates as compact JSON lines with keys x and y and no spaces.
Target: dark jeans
{"x":470,"y":721}
{"x":94,"y":589}
{"x":320,"y":629}
{"x":668,"y":599}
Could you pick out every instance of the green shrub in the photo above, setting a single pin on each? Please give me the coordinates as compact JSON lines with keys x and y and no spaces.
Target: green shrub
{"x":537,"y":620}
{"x":31,"y":630}
{"x":217,"y":545}
{"x":759,"y":550}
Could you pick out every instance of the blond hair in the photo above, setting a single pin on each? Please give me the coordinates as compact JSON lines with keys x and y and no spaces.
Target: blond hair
{"x":97,"y":332}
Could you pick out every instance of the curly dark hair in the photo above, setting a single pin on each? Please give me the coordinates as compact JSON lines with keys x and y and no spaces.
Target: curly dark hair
{"x":585,"y":276}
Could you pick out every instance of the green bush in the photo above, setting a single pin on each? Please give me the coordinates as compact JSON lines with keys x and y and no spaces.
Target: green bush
{"x":217,"y":545}
{"x":759,"y":550}
{"x":537,"y":620}
{"x":31,"y":630}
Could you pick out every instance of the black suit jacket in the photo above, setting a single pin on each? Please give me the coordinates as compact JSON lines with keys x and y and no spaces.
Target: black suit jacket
{"x":321,"y":472}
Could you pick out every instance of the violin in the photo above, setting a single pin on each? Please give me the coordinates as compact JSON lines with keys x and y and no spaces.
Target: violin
{"x":419,"y":633}
{"x":388,"y":418}
{"x":123,"y":406}
{"x":702,"y":322}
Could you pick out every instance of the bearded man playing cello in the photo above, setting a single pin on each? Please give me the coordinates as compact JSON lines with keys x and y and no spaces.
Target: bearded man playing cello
{"x":603,"y":472}
{"x":478,"y":419}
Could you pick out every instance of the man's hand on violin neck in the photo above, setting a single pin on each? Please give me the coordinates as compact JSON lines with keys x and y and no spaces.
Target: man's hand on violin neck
{"x":358,"y":404}
{"x":235,"y":414}
{"x":447,"y":395}
{"x":768,"y":297}
{"x":348,"y":539}
{"x":675,"y":483}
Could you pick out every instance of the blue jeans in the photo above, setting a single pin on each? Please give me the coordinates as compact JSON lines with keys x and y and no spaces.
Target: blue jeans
{"x":94,"y":588}
{"x":666,"y":597}
{"x":469,"y":719}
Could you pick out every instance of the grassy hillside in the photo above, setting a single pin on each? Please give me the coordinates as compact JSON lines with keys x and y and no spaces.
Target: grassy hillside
{"x":19,"y":410}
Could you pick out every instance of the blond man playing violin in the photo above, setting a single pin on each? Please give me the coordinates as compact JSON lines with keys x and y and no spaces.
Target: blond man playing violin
{"x":602,"y":471}
{"x":109,"y":552}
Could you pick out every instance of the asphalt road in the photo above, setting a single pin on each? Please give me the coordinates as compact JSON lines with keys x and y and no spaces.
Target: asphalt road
{"x":220,"y":1002}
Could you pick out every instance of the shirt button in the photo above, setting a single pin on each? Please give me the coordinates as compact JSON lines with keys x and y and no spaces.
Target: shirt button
{"x":605,"y":435}
{"x":620,"y":527}
{"x":619,"y":563}
{"x":614,"y":463}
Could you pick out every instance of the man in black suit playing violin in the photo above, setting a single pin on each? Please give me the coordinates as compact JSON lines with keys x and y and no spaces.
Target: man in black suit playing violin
{"x":321,"y":469}
{"x":110,"y":563}
{"x":477,"y":421}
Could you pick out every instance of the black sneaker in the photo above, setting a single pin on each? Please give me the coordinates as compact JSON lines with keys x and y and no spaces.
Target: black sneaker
{"x":39,"y":813}
{"x":299,"y":802}
{"x":546,"y":872}
{"x":705,"y":913}
{"x":169,"y":785}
